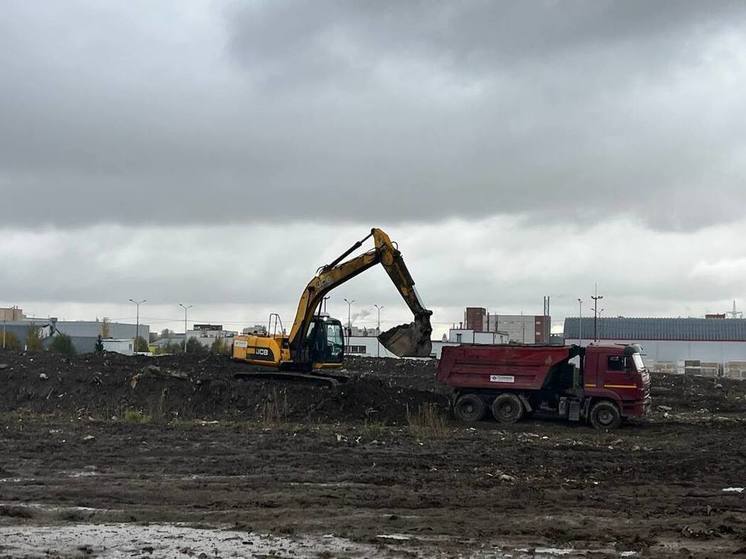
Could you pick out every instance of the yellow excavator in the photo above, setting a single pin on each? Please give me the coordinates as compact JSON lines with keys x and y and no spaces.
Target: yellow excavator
{"x":316,"y":341}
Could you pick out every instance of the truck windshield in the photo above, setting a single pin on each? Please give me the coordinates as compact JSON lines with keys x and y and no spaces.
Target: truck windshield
{"x":639,"y":365}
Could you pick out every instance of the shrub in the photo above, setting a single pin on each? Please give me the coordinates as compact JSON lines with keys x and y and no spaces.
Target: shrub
{"x":11,"y":341}
{"x":33,"y":339}
{"x":141,"y":346}
{"x":194,"y":346}
{"x":62,"y":343}
{"x":172,"y":347}
{"x":218,"y":346}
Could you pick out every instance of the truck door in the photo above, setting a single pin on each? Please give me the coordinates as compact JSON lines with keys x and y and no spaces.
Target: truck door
{"x":592,"y":375}
{"x":618,"y":375}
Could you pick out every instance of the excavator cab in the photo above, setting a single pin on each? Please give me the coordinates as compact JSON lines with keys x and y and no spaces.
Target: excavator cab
{"x":324,"y":345}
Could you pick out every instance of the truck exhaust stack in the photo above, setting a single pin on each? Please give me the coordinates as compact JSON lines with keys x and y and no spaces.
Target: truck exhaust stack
{"x":409,"y":340}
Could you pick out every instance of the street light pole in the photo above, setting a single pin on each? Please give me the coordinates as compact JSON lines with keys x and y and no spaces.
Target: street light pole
{"x":595,"y":298}
{"x":378,"y":333}
{"x":186,"y":308}
{"x":580,"y":323}
{"x":349,"y":320}
{"x":137,"y":326}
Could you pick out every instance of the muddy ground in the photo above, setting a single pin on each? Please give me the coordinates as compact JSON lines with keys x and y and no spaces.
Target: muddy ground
{"x":93,"y":447}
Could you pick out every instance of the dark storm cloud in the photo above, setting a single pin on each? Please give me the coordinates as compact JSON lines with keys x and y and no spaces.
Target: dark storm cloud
{"x":225,"y":113}
{"x":475,"y":35}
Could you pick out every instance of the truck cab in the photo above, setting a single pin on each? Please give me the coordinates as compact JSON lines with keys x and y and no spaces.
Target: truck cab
{"x":617,"y":373}
{"x":600,"y":384}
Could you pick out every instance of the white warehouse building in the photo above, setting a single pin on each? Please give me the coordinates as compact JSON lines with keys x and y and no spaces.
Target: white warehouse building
{"x":672,"y":344}
{"x":369,"y":346}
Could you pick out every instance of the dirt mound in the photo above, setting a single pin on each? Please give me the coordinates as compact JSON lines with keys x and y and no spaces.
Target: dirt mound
{"x":189,"y":386}
{"x":417,"y":374}
{"x":689,"y":393}
{"x":203,"y":386}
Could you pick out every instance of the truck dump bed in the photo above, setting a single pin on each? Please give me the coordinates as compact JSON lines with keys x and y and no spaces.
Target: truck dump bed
{"x":499,"y":366}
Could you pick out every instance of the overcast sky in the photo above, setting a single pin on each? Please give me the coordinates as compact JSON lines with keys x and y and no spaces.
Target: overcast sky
{"x":216,"y":153}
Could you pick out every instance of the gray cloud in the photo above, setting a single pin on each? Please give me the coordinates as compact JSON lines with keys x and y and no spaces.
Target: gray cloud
{"x":360,"y":112}
{"x":238,"y":274}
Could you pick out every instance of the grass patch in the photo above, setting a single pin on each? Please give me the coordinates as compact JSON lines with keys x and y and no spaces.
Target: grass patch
{"x":157,"y":409}
{"x":374,"y":430}
{"x":274,"y":410}
{"x":427,"y":422}
{"x":135,"y":416}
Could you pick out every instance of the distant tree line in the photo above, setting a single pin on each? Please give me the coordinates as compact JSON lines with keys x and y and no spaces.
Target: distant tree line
{"x":62,"y":343}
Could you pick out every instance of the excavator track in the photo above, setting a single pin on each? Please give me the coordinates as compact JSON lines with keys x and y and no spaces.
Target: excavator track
{"x":328,"y":379}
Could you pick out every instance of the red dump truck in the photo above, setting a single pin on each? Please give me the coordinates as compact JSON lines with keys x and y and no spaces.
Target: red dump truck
{"x":601,"y":384}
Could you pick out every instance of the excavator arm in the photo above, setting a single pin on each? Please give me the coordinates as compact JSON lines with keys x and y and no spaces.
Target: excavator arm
{"x":408,"y":340}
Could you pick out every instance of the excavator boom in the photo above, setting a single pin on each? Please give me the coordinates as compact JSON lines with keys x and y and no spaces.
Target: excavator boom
{"x":408,"y":340}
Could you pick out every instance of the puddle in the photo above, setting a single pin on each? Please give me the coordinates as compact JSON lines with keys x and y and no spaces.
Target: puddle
{"x":125,"y":541}
{"x":120,"y":541}
{"x":331,"y":484}
{"x":400,"y":537}
{"x":83,"y":473}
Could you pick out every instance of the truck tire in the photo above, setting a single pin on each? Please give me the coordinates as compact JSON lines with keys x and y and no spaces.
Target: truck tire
{"x":605,"y":415}
{"x":507,"y":408}
{"x":469,"y":408}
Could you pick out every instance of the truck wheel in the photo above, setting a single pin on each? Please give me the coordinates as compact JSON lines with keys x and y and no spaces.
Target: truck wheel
{"x":507,"y":408}
{"x":605,"y":415}
{"x":469,"y":408}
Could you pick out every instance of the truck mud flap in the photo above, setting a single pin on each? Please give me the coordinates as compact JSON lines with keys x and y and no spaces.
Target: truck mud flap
{"x":526,"y":403}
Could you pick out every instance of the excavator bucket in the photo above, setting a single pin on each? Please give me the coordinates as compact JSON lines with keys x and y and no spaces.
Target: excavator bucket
{"x":409,"y":340}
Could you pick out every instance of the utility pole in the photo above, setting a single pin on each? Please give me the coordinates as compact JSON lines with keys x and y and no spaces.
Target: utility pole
{"x":349,"y":320}
{"x":137,"y":327}
{"x":186,"y":308}
{"x":580,"y":323}
{"x":378,"y":333}
{"x":595,"y":298}
{"x":523,"y":326}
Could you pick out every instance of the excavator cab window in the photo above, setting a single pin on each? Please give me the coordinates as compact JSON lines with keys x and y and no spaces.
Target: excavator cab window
{"x":325,"y":341}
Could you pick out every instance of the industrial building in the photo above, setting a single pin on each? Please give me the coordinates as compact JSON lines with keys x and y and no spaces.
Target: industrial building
{"x":208,"y":334}
{"x":367,"y":345}
{"x":163,"y":342}
{"x":469,"y":336}
{"x":520,"y":328}
{"x":709,"y":346}
{"x":83,"y":333}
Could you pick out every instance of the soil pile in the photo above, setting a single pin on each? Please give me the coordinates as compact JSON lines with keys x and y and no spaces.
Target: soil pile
{"x":201,"y":386}
{"x":192,"y":386}
{"x":689,"y":393}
